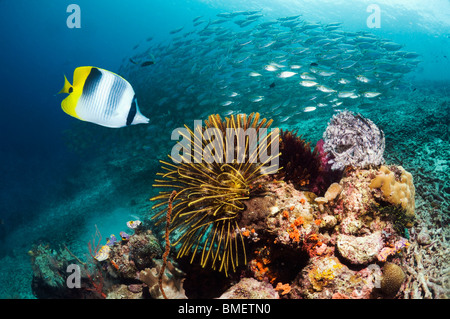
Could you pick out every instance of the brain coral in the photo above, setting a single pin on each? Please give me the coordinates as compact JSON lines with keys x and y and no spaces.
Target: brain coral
{"x":397,"y":188}
{"x":393,"y":277}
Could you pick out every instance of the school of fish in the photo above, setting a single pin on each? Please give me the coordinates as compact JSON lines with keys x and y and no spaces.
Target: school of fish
{"x":240,"y":62}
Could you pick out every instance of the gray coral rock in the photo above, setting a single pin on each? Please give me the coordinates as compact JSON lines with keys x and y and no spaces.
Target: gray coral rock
{"x":250,"y":288}
{"x":359,"y":250}
{"x":353,"y":140}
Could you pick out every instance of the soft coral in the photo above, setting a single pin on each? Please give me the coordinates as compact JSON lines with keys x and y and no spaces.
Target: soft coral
{"x":326,"y":176}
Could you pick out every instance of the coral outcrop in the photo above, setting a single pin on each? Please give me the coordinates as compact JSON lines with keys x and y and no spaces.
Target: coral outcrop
{"x":131,"y":270}
{"x":172,"y":281}
{"x":360,"y":250}
{"x":397,"y":187}
{"x":250,"y":288}
{"x":353,"y":140}
{"x":340,"y":241}
{"x":298,"y":245}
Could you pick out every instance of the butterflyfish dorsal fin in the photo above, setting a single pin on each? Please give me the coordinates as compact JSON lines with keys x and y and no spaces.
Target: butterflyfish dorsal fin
{"x":66,"y":87}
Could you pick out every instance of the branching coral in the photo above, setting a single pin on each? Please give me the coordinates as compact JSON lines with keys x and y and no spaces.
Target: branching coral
{"x":211,"y":191}
{"x":353,"y":140}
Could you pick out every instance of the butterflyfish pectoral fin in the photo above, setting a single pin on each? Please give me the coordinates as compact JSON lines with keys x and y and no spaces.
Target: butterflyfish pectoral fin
{"x":67,"y":87}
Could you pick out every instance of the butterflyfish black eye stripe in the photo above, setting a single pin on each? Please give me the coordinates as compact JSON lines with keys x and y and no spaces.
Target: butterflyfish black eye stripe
{"x":132,"y":112}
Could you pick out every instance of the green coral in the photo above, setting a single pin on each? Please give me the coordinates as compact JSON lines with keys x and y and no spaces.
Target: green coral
{"x":399,"y":216}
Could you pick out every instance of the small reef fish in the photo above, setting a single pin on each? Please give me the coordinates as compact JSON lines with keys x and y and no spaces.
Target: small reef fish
{"x":103,"y":253}
{"x":124,"y":236}
{"x":147,"y":63}
{"x":363,"y":79}
{"x":247,"y":52}
{"x":343,"y":81}
{"x":325,"y":89}
{"x":226,"y":103}
{"x":101,"y":97}
{"x":307,"y":76}
{"x":309,"y":109}
{"x":133,"y":224}
{"x":286,"y":74}
{"x":308,"y":83}
{"x":371,"y":94}
{"x":176,"y":30}
{"x":346,"y":94}
{"x":270,"y":68}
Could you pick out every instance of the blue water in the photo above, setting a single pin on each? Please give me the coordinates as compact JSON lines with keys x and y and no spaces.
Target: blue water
{"x":45,"y":187}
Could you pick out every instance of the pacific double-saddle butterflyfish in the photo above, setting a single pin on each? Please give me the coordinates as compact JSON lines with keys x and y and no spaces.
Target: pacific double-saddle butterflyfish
{"x":101,"y":97}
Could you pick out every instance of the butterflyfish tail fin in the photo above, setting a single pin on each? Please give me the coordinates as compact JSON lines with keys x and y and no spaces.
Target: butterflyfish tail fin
{"x":67,"y":87}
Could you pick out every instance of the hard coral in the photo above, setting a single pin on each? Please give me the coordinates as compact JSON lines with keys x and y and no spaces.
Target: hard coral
{"x":393,"y":277}
{"x":397,"y":188}
{"x":129,"y":257}
{"x":324,"y":272}
{"x":333,"y":191}
{"x":353,"y":140}
{"x":359,"y":249}
{"x":249,"y":288}
{"x":172,"y":281}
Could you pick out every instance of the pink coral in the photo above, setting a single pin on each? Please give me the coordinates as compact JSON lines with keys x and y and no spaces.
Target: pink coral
{"x":388,"y":251}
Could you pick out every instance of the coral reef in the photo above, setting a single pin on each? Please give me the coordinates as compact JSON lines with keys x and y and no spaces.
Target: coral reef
{"x":340,"y":241}
{"x":353,"y":140}
{"x":129,"y":271}
{"x":299,"y":245}
{"x":354,"y":240}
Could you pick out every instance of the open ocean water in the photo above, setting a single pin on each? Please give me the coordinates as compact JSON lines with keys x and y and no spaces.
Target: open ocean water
{"x":297,"y":62}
